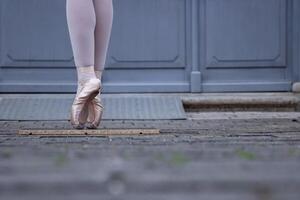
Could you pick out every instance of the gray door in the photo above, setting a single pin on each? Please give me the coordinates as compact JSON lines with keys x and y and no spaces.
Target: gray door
{"x":156,"y":46}
{"x":245,"y":45}
{"x":147,"y":52}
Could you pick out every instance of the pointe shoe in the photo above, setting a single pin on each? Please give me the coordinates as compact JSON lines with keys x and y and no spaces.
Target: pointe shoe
{"x":87,"y":92}
{"x":95,"y":111}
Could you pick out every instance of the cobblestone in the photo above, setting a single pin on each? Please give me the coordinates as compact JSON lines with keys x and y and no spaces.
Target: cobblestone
{"x":232,"y":155}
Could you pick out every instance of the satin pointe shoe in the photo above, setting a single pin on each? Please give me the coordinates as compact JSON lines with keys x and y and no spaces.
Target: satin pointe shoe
{"x":95,"y":112}
{"x":88,"y":91}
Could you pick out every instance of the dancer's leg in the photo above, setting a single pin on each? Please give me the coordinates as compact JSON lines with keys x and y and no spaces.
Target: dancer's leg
{"x":104,"y":20}
{"x":81,"y":21}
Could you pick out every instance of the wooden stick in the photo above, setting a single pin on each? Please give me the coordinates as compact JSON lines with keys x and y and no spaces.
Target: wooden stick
{"x":94,"y":132}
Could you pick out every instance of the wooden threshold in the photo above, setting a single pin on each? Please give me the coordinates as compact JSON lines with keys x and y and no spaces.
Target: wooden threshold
{"x":87,"y":132}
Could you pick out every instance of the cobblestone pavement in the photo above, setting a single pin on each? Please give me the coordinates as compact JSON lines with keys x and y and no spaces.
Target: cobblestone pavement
{"x":247,"y":156}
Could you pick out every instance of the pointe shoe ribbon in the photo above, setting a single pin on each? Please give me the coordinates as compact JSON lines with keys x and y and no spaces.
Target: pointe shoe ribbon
{"x":87,"y":92}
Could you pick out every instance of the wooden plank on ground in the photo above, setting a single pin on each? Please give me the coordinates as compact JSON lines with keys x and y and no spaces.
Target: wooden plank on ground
{"x":95,"y":132}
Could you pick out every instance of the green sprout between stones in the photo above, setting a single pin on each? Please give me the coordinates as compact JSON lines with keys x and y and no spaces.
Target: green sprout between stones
{"x":245,"y":154}
{"x":6,"y":153}
{"x":176,"y":158}
{"x":61,"y":159}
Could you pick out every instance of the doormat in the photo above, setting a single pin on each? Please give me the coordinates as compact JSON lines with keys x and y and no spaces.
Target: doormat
{"x":115,"y":108}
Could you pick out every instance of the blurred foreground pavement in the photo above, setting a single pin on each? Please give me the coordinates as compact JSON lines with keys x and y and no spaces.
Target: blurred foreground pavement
{"x":233,"y":155}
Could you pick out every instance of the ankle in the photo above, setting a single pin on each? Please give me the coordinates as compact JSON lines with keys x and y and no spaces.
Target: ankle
{"x":85,"y":74}
{"x":98,"y":74}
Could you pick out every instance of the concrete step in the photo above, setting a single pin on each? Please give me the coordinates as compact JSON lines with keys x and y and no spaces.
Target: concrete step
{"x":242,"y":102}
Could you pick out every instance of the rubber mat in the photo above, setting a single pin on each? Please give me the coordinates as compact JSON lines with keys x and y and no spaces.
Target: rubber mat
{"x":115,"y":107}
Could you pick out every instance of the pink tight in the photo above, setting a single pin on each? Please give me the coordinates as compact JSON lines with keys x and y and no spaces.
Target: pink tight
{"x":89,"y":23}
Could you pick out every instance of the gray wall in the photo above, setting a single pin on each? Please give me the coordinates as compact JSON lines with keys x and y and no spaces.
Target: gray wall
{"x":157,"y":46}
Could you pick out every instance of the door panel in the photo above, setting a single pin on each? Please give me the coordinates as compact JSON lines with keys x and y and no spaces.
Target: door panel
{"x":33,"y":34}
{"x":151,"y":35}
{"x":245,"y":43}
